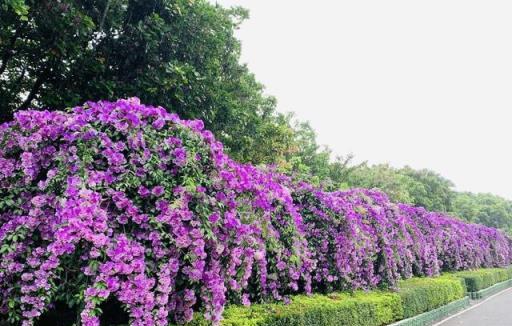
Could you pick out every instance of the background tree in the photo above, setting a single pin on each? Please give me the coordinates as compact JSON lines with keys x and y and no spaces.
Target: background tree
{"x":486,"y":209}
{"x":430,"y":189}
{"x":385,"y":178}
{"x":180,"y":54}
{"x":418,"y":187}
{"x":307,"y":160}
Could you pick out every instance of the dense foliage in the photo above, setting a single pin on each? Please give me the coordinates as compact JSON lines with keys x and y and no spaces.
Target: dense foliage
{"x":419,"y":295}
{"x":486,"y":209}
{"x":483,"y":278}
{"x":180,"y":54}
{"x":126,"y":201}
{"x":374,"y":308}
{"x":359,"y":237}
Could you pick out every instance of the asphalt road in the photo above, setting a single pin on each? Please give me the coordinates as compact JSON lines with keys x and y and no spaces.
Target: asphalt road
{"x":496,"y":311}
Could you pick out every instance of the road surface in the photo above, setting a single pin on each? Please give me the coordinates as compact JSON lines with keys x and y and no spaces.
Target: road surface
{"x":496,"y":311}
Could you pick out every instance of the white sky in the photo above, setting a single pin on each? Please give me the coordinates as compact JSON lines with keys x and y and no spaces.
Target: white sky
{"x":420,"y":83}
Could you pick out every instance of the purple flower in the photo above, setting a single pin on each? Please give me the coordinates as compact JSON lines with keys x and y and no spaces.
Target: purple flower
{"x":158,"y":191}
{"x":159,"y":124}
{"x":213,"y":218}
{"x":242,"y":232}
{"x":245,"y":300}
{"x":38,"y":201}
{"x":143,"y":191}
{"x":180,"y":156}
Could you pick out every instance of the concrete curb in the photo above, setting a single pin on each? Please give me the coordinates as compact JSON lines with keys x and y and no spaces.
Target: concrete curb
{"x":438,"y":316}
{"x":432,"y":316}
{"x":485,"y":293}
{"x":472,"y":307}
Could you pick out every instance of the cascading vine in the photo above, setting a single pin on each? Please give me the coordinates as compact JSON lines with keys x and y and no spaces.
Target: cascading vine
{"x":122,"y":200}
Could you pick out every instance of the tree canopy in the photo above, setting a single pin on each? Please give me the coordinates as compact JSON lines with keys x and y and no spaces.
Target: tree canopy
{"x":486,"y":209}
{"x":419,"y":187}
{"x":180,"y":54}
{"x":428,"y":189}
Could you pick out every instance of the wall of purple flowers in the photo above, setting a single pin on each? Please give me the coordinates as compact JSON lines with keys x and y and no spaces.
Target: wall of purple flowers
{"x":119,"y":199}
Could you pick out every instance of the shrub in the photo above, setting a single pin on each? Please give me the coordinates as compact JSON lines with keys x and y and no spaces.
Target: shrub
{"x":127,"y":201}
{"x":483,"y":278}
{"x":358,"y":309}
{"x":414,"y":296}
{"x":419,"y":295}
{"x":362,"y":240}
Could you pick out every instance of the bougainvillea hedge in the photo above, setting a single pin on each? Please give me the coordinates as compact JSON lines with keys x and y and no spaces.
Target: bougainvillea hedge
{"x":126,"y":201}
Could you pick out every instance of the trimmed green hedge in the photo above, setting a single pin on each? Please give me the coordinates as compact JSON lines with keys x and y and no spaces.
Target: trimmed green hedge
{"x":419,"y":295}
{"x":374,"y":308}
{"x":480,"y":279}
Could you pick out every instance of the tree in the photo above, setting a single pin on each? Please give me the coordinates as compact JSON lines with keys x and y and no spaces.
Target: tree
{"x":180,"y":54}
{"x":423,"y":188}
{"x":385,"y":178}
{"x":430,"y":189}
{"x":307,"y":160}
{"x":486,"y":209}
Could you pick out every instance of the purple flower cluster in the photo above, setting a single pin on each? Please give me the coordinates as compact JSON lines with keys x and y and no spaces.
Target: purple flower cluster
{"x":126,"y":201}
{"x":360,"y":239}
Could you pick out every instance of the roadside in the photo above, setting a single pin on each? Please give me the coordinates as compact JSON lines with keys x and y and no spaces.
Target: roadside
{"x":494,"y":311}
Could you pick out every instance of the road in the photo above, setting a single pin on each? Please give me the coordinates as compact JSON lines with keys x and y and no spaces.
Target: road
{"x":496,"y":311}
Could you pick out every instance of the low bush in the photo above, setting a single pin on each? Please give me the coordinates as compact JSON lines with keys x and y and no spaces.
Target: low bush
{"x":480,"y":279}
{"x":359,"y":308}
{"x":414,"y":296}
{"x":419,"y":295}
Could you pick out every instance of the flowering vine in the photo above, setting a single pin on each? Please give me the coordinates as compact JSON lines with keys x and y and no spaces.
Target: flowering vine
{"x":126,"y":201}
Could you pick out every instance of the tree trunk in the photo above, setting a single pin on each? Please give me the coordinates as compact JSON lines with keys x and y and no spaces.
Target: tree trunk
{"x":35,"y":88}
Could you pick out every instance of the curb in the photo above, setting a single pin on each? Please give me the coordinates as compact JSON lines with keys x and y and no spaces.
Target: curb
{"x":432,"y":316}
{"x":478,"y":303}
{"x":485,"y":293}
{"x":445,"y":312}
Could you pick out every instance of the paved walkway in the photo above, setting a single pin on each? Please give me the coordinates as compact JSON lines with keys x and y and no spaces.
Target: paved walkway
{"x":496,"y":311}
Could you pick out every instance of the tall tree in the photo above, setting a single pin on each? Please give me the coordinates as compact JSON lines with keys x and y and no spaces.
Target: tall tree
{"x":307,"y":160}
{"x":419,"y":187}
{"x":486,"y":209}
{"x":385,"y":178}
{"x":180,"y":54}
{"x":430,"y":190}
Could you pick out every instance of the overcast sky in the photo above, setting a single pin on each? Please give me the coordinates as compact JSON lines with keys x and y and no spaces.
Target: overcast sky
{"x":420,"y":83}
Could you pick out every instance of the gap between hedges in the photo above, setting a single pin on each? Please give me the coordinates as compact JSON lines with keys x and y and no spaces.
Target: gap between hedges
{"x":373,"y":308}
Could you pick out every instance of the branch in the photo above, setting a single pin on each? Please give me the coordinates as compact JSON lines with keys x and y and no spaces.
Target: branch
{"x":104,"y":15}
{"x":35,"y":88}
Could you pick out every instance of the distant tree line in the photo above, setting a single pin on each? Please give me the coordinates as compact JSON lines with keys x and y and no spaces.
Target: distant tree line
{"x":430,"y":190}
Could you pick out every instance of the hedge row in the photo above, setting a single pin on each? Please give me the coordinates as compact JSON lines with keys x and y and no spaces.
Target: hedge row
{"x":419,"y":295}
{"x":480,"y":279}
{"x":357,"y":309}
{"x":414,"y":296}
